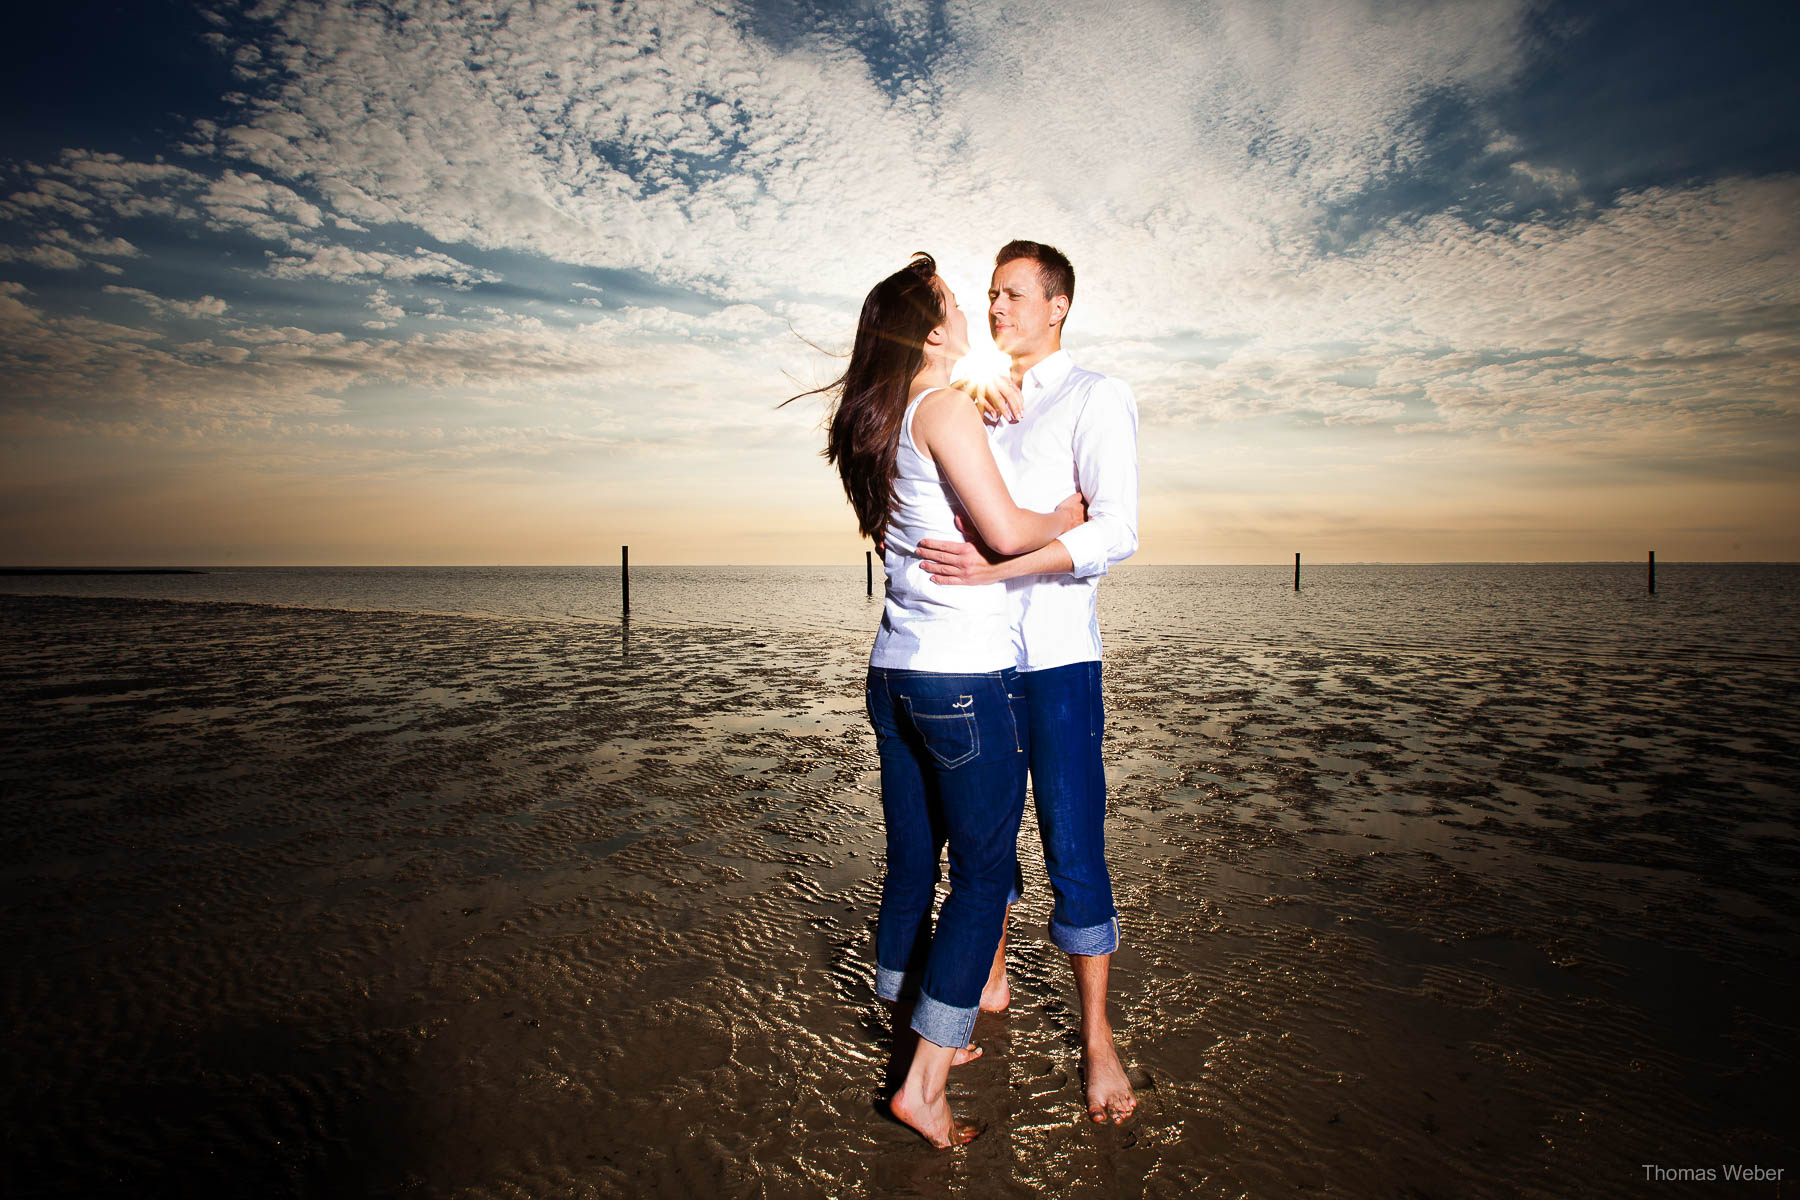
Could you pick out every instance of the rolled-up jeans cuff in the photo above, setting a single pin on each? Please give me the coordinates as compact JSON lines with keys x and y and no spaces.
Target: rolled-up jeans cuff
{"x":1086,"y":939}
{"x":937,"y":1022}
{"x":896,"y":985}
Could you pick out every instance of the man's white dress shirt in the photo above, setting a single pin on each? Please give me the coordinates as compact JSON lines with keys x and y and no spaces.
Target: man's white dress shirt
{"x":1078,"y":433}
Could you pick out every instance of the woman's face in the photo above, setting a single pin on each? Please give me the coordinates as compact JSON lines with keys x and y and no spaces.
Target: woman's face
{"x":956,"y":323}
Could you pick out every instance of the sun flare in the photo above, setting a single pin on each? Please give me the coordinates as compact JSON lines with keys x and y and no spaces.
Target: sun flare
{"x":982,"y":364}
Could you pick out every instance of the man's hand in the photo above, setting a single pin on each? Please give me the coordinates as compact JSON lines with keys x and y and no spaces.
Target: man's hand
{"x":1073,"y":510}
{"x":957,"y":562}
{"x":974,"y":562}
{"x":998,"y":398}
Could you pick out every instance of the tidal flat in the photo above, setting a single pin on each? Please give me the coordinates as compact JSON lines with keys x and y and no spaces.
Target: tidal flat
{"x":304,"y":902}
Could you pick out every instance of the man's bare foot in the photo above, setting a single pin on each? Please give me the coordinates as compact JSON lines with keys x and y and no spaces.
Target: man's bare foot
{"x":1109,"y":1094}
{"x":967,"y":1054}
{"x":997,"y":994}
{"x":932,"y":1122}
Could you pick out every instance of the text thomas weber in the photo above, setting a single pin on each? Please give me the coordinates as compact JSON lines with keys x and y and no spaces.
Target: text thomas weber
{"x":1730,"y":1172}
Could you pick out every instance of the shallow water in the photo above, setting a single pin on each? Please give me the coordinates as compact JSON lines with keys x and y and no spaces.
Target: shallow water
{"x":308,"y":902}
{"x":1719,"y":612}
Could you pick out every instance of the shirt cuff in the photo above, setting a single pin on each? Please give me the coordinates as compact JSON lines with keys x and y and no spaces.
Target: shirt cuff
{"x":1086,"y":545}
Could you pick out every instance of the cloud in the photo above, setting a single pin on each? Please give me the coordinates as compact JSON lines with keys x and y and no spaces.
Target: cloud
{"x":54,"y":257}
{"x":59,"y":250}
{"x":1261,"y":198}
{"x":653,"y":377}
{"x":382,"y":305}
{"x":84,"y":186}
{"x":1670,"y":315}
{"x":241,"y":200}
{"x":651,"y":137}
{"x":206,"y":306}
{"x":345,"y":263}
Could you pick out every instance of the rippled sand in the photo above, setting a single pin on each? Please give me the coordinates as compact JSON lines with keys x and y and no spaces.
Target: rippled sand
{"x":327,"y":903}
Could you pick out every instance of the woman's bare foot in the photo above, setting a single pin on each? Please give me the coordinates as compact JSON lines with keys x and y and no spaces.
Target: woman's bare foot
{"x":932,"y":1121}
{"x":1109,"y":1094}
{"x":997,"y":994}
{"x":967,"y":1054}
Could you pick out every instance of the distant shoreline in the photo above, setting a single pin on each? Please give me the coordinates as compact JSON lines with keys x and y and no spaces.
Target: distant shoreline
{"x":1279,"y":564}
{"x":15,"y":571}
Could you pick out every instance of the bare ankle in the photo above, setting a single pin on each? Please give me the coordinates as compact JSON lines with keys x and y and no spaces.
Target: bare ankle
{"x":997,"y":994}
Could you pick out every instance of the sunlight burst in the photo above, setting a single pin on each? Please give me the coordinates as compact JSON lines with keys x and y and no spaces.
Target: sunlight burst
{"x":982,"y":364}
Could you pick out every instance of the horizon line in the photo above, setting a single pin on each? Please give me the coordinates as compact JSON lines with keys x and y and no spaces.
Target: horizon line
{"x":1284,"y":564}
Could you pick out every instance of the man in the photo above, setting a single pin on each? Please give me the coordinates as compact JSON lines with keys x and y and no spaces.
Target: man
{"x":1074,"y":428}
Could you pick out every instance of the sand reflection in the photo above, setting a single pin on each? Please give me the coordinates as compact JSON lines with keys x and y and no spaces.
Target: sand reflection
{"x":346,"y":903}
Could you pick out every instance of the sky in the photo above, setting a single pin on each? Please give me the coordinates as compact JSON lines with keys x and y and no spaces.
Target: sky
{"x":315,"y":282}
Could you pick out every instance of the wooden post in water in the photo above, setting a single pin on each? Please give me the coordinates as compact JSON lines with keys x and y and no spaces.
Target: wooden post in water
{"x":1652,"y":578}
{"x":1296,"y":570}
{"x":869,"y":571}
{"x":625,"y":577}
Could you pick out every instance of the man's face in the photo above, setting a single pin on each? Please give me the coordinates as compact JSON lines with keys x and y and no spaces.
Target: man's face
{"x":1022,"y":319}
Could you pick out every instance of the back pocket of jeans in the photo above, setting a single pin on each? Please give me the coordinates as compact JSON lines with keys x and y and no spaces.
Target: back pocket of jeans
{"x":946,"y":725}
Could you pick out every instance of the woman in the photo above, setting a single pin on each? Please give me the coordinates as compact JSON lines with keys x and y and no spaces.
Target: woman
{"x":912,"y":454}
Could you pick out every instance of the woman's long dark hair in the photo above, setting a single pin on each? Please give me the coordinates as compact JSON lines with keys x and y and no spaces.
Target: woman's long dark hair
{"x":864,"y":421}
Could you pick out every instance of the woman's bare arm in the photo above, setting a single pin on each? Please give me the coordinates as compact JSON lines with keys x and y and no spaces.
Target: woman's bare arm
{"x":949,"y":431}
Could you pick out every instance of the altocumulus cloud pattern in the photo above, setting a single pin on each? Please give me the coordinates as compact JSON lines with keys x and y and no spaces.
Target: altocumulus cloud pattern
{"x":1359,"y":261}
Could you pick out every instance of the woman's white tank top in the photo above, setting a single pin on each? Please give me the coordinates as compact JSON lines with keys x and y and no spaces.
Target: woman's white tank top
{"x":927,"y":626}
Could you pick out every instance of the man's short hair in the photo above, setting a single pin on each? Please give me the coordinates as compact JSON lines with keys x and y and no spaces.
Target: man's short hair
{"x":1055,"y":272}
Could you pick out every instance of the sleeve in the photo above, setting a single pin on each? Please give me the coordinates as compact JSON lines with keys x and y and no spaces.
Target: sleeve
{"x":1107,"y":474}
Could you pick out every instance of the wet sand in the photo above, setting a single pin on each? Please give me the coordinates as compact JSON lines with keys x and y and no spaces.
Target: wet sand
{"x":322,"y":903}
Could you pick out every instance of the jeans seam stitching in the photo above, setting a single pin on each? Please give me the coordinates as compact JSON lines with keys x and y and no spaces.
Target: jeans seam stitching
{"x":968,"y":719}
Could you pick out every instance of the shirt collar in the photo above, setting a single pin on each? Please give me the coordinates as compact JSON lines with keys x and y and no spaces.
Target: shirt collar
{"x":1050,"y":373}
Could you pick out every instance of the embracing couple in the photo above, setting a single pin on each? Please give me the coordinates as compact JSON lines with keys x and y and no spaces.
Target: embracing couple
{"x":987,"y":663}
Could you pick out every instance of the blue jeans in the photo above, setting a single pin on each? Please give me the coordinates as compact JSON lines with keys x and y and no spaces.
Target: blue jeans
{"x":1068,"y":783}
{"x":953,"y":760}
